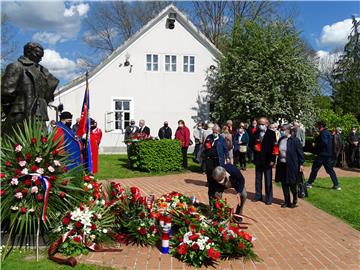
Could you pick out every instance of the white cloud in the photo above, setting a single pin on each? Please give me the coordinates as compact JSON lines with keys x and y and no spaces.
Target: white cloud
{"x":336,"y":35}
{"x":326,"y":60}
{"x":81,"y":9}
{"x":60,"y":67}
{"x":46,"y":17}
{"x":46,"y":37}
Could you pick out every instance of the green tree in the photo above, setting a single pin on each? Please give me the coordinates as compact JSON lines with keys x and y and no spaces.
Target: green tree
{"x":266,"y":71}
{"x":346,"y":75}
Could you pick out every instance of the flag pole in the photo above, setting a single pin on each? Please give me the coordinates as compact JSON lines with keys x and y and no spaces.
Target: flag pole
{"x":87,"y":118}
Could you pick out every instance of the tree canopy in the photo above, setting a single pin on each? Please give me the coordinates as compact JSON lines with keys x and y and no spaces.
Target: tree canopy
{"x":346,"y":75}
{"x":266,"y":71}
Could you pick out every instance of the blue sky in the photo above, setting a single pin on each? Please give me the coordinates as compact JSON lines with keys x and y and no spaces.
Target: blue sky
{"x":59,"y":27}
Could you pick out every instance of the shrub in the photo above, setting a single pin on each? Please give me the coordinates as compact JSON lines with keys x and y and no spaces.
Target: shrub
{"x":156,"y":155}
{"x":334,"y":120}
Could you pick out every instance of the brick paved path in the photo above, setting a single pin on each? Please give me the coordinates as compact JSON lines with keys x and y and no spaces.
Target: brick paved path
{"x":300,"y":238}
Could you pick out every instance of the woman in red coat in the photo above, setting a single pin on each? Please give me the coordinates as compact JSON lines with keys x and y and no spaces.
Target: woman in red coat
{"x":183,"y":135}
{"x":95,"y":139}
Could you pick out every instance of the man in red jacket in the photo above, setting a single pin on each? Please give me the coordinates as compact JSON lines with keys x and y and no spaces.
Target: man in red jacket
{"x":183,"y":135}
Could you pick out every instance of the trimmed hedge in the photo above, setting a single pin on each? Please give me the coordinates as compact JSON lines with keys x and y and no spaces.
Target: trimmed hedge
{"x":156,"y":155}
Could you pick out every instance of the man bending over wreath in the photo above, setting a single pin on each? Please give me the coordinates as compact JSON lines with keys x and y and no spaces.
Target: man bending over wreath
{"x":229,"y":176}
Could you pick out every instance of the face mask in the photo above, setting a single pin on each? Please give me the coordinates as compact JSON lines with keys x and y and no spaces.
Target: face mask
{"x":262,"y":127}
{"x":68,"y":124}
{"x":181,"y":125}
{"x":241,"y":130}
{"x":166,"y":125}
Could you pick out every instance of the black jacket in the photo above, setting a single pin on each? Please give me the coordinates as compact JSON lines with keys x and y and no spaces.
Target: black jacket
{"x":323,"y":144}
{"x":145,"y":130}
{"x":165,"y":133}
{"x":294,"y":159}
{"x":263,"y":158}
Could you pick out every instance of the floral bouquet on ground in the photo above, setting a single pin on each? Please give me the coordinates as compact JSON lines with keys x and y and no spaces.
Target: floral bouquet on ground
{"x":84,"y":228}
{"x":194,"y":248}
{"x":35,"y":185}
{"x":135,"y":218}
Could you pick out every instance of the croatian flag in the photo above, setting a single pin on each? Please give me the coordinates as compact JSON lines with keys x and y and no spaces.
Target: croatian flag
{"x":84,"y":128}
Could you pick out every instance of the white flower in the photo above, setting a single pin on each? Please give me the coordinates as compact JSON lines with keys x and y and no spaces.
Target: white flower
{"x":90,"y":186}
{"x":105,"y":230}
{"x":22,"y":163}
{"x":14,"y":208}
{"x":18,"y":148}
{"x":57,"y":163}
{"x":97,"y":202}
{"x":99,"y":216}
{"x":103,"y":202}
{"x":14,"y":182}
{"x":201,"y":246}
{"x":25,"y":171}
{"x":34,"y":178}
{"x":69,"y":227}
{"x":34,"y":190}
{"x":51,"y":169}
{"x":18,"y":195}
{"x":92,"y":237}
{"x":58,"y":229}
{"x":38,"y":159}
{"x":31,"y":210}
{"x":40,"y":171}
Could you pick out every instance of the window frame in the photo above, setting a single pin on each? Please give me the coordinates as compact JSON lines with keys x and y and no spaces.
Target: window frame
{"x":170,"y":63}
{"x":189,"y":63}
{"x":113,"y":108}
{"x":152,"y":63}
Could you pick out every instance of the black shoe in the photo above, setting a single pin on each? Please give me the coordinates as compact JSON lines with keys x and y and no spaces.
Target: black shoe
{"x":285,"y":205}
{"x":268,"y":203}
{"x":255,"y":200}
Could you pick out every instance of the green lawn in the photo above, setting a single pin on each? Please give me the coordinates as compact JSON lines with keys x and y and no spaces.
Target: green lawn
{"x":25,"y":260}
{"x":116,"y":167}
{"x":344,"y":204}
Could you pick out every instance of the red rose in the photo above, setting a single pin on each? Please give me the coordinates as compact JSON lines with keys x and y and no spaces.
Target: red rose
{"x":18,"y":172}
{"x":34,"y":168}
{"x":142,"y":215}
{"x":24,"y":192}
{"x":94,"y":217}
{"x":112,"y":202}
{"x":28,"y":157}
{"x":19,"y":159}
{"x":96,"y":195}
{"x":37,"y":182}
{"x":77,"y":239}
{"x":247,"y":237}
{"x":217,"y":205}
{"x":62,"y":195}
{"x":43,"y":140}
{"x":33,"y":140}
{"x":2,"y":192}
{"x":182,"y":249}
{"x":64,"y":182}
{"x":195,"y":247}
{"x":27,"y":182}
{"x":55,"y":152}
{"x":78,"y":225}
{"x":241,"y":245}
{"x":202,"y":231}
{"x":23,"y":210}
{"x":2,"y":175}
{"x":7,"y":163}
{"x":151,"y":215}
{"x":142,"y":231}
{"x":66,"y":220}
{"x":82,"y":206}
{"x":52,"y":177}
{"x":152,"y":228}
{"x":112,"y":193}
{"x":93,"y":227}
{"x":194,"y":237}
{"x":87,"y":178}
{"x":40,"y":197}
{"x":220,"y":229}
{"x":213,"y":254}
{"x":65,"y":169}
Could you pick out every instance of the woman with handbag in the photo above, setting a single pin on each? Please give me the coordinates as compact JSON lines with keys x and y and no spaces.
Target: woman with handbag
{"x":241,"y":141}
{"x":289,"y":166}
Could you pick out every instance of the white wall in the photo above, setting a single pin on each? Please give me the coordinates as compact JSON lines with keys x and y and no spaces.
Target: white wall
{"x":157,"y":96}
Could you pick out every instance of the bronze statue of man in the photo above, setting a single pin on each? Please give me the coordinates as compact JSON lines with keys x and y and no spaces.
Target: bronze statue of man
{"x":27,"y":88}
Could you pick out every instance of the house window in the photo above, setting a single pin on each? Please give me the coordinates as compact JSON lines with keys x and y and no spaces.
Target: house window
{"x":152,"y":62}
{"x":170,"y":63}
{"x":189,"y":63}
{"x":122,"y":114}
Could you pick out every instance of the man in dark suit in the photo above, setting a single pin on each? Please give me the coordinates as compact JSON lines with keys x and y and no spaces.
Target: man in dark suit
{"x":165,"y":131}
{"x":264,"y":159}
{"x":324,"y":151}
{"x":143,"y":129}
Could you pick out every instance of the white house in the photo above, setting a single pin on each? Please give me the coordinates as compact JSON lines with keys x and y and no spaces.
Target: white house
{"x":158,"y":74}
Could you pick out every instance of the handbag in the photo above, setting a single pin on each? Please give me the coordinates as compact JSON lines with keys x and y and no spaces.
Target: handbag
{"x":191,"y":142}
{"x":302,"y":190}
{"x":243,"y":149}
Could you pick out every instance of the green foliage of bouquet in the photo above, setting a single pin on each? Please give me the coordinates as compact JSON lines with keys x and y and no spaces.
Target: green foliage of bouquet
{"x":34,"y":182}
{"x":156,"y":155}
